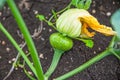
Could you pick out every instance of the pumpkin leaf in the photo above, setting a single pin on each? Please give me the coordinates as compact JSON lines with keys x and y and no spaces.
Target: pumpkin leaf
{"x":88,"y":42}
{"x":2,"y":2}
{"x":81,"y":4}
{"x":87,"y":4}
{"x":55,"y":14}
{"x":115,"y":21}
{"x":74,"y":2}
{"x":40,"y":17}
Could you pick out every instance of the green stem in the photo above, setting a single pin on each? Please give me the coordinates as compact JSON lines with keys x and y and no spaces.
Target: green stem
{"x":55,"y":60}
{"x":27,"y":37}
{"x":17,"y":47}
{"x":85,"y":65}
{"x":116,"y":54}
{"x":114,"y":51}
{"x":67,"y":7}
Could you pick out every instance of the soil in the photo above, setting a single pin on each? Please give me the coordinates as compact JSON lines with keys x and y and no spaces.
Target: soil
{"x":106,"y":69}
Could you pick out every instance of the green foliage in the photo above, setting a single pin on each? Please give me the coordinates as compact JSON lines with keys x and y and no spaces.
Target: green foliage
{"x":115,"y":21}
{"x":83,"y":66}
{"x":41,"y":17}
{"x":2,"y":2}
{"x":26,"y":72}
{"x":18,"y":48}
{"x":30,"y":44}
{"x":81,"y":4}
{"x":59,"y":42}
{"x":88,"y":42}
{"x":55,"y":60}
{"x":55,"y":14}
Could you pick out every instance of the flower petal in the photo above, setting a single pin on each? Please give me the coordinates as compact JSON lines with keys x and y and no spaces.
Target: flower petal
{"x":94,"y":24}
{"x":85,"y":33}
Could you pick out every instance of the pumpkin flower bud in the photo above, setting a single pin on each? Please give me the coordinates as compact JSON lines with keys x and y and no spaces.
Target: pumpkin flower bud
{"x":75,"y":23}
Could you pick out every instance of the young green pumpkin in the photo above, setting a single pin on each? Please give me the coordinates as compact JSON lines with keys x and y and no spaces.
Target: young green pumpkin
{"x":61,"y":42}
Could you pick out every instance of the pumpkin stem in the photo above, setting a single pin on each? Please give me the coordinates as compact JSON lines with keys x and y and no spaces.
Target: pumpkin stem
{"x":55,"y":60}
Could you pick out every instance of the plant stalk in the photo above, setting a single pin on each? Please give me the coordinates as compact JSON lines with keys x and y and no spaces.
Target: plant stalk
{"x":18,"y":48}
{"x":27,"y":37}
{"x":85,"y":65}
{"x":55,"y":60}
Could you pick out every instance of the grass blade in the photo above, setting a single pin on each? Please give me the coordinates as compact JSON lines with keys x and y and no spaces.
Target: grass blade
{"x":28,"y":39}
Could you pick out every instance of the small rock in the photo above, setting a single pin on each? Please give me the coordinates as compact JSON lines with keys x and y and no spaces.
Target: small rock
{"x":8,"y":49}
{"x":3,"y":43}
{"x":35,"y":11}
{"x":26,"y":51}
{"x":113,"y":2}
{"x":13,"y":59}
{"x":93,"y":11}
{"x":44,"y":28}
{"x":49,"y":14}
{"x":94,"y":4}
{"x":71,"y":59}
{"x":3,"y":18}
{"x":99,"y":48}
{"x":10,"y":62}
{"x":50,"y":30}
{"x":42,"y":39}
{"x":94,"y":52}
{"x":108,"y":14}
{"x":41,"y":56}
{"x":16,"y":68}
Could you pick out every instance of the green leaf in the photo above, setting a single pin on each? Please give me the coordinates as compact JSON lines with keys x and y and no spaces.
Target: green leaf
{"x":29,"y":41}
{"x":88,"y":42}
{"x":74,"y":2}
{"x":55,"y":14}
{"x":115,"y":21}
{"x":40,"y":17}
{"x":87,"y":4}
{"x":81,"y":4}
{"x":50,"y":23}
{"x":2,"y":2}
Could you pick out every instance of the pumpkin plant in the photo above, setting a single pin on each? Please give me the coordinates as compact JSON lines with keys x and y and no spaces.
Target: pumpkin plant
{"x":73,"y":23}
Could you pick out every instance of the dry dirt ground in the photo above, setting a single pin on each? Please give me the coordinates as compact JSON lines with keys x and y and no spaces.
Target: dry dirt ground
{"x":106,"y":69}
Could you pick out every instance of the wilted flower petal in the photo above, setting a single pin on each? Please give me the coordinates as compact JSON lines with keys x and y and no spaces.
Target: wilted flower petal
{"x":91,"y":22}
